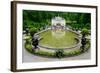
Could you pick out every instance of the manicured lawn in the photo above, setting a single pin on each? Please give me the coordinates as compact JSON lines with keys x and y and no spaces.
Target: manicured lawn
{"x":68,"y":40}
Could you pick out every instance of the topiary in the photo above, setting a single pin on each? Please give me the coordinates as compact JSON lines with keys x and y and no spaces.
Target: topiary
{"x":59,"y":53}
{"x":33,"y":31}
{"x":85,"y":31}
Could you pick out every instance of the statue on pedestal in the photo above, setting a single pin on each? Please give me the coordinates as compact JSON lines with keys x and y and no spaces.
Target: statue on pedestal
{"x":83,"y":42}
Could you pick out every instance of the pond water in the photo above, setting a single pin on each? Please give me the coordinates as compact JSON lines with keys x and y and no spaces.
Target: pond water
{"x":48,"y":40}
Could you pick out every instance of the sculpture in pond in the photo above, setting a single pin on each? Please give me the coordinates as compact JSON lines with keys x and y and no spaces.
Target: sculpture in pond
{"x":35,"y":41}
{"x":83,"y":42}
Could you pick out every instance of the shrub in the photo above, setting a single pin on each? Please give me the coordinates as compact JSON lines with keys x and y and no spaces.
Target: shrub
{"x":27,"y":37}
{"x":59,"y":53}
{"x":87,"y":41}
{"x":28,"y":47}
{"x":72,"y":53}
{"x":85,"y":31}
{"x":27,"y":42}
{"x":44,"y":53}
{"x":32,"y":31}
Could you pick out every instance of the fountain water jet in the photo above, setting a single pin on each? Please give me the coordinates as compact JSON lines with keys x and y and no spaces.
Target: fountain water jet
{"x":58,"y":26}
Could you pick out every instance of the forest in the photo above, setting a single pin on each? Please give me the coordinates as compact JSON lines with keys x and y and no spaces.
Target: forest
{"x":41,"y":19}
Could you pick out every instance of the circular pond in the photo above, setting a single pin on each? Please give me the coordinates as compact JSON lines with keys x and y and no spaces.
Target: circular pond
{"x":67,"y":41}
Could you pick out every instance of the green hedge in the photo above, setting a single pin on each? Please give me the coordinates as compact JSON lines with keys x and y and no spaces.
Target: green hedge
{"x":44,"y":53}
{"x":55,"y":54}
{"x":28,"y":47}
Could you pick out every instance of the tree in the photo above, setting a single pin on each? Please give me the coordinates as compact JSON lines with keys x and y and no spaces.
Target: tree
{"x":38,"y":19}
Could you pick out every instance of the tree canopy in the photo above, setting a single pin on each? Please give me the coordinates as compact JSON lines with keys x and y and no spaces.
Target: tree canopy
{"x":38,"y":19}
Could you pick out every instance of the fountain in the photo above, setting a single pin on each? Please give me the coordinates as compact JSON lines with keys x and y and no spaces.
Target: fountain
{"x":58,"y":26}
